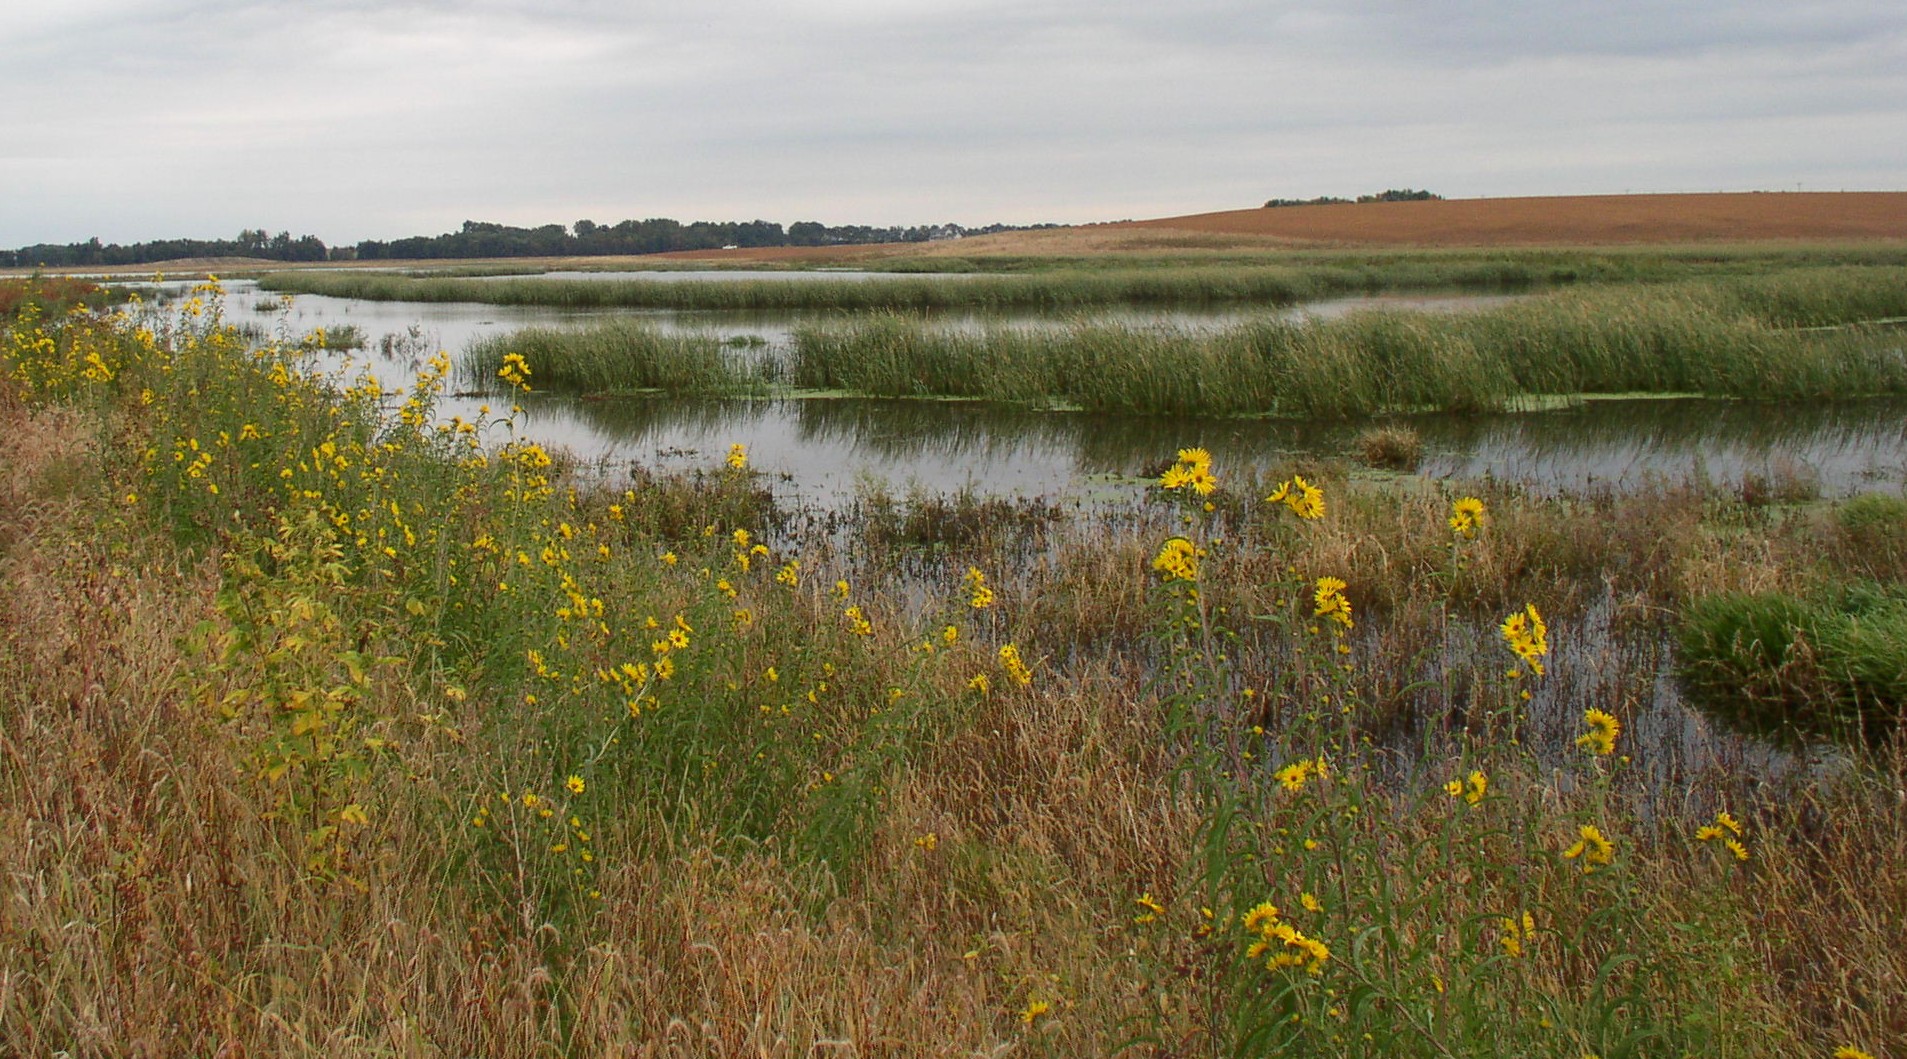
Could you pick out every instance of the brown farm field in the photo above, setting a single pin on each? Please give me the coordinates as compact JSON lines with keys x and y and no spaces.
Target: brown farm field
{"x":1582,"y":220}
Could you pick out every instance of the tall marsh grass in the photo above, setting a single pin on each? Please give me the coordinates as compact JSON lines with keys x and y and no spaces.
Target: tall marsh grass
{"x":1669,"y":340}
{"x":620,"y":355}
{"x":1053,"y":290}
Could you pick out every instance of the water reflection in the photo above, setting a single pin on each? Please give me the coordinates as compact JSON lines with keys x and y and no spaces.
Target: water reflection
{"x":826,"y":445}
{"x":452,"y":326}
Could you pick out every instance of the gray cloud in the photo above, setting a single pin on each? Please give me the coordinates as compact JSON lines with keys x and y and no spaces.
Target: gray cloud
{"x":353,"y":119}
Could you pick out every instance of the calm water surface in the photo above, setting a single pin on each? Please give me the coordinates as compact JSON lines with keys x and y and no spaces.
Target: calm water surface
{"x":827,"y":449}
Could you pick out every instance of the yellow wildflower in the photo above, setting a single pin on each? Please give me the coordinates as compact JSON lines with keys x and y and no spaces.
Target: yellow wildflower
{"x":1592,"y":847}
{"x":980,"y":596}
{"x":1177,"y":558}
{"x":1304,"y":499}
{"x":1330,"y":601}
{"x":1262,"y":918}
{"x":1466,"y":516}
{"x":1295,"y":775}
{"x":1513,"y":933}
{"x":1152,"y":909}
{"x":1014,"y":666}
{"x":1601,"y":736}
{"x":737,"y":457}
{"x":1193,"y":469}
{"x":1527,"y":636}
{"x":1476,"y":785}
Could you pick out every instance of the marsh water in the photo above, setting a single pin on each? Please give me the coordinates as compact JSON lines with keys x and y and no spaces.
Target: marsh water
{"x":825,"y":450}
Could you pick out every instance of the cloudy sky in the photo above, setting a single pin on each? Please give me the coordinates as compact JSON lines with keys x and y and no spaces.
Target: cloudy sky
{"x":355,"y":119}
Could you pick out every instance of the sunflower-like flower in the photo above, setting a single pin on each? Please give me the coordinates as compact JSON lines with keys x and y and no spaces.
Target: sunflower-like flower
{"x":1475,"y":786}
{"x":1592,"y":848}
{"x":1295,"y":775}
{"x":1466,"y":516}
{"x":1262,"y":917}
{"x":1177,"y":559}
{"x":1514,"y":932}
{"x":1329,"y":597}
{"x":1298,"y":950}
{"x":979,"y":595}
{"x":737,"y":457}
{"x":1725,"y":831}
{"x":1600,"y":739}
{"x":1015,"y":666}
{"x":1527,"y":636}
{"x":515,"y":371}
{"x":1194,"y":469}
{"x":1304,"y":499}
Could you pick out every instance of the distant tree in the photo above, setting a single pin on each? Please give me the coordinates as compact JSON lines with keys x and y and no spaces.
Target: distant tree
{"x":807,"y":233}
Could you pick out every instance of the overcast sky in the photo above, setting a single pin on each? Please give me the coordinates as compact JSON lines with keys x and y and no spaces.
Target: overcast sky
{"x":355,"y":119}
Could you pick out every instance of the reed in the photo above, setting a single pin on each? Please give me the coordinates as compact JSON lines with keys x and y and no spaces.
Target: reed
{"x":620,"y":356}
{"x":1829,"y":666}
{"x":1051,"y":290}
{"x":1660,"y":341}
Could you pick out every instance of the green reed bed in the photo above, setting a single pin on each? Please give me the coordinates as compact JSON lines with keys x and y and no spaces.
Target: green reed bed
{"x":1054,"y":289}
{"x":1693,"y":339}
{"x":619,"y":355}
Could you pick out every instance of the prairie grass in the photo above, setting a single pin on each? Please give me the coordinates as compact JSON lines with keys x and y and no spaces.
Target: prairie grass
{"x":339,"y":730}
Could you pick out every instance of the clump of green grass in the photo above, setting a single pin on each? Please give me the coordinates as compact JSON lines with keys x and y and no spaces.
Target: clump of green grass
{"x":343,"y":337}
{"x":1795,"y":668}
{"x":621,"y":356}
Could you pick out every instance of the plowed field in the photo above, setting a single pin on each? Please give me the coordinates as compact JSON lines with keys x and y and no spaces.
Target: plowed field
{"x":1581,"y":220}
{"x":1572,"y":220}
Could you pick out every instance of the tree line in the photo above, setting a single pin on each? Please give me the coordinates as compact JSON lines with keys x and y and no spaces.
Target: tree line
{"x":1391,"y":195}
{"x":94,"y":254}
{"x":479,"y":239}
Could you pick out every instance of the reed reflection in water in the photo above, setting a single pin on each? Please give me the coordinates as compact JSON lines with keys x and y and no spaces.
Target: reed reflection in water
{"x":825,"y":445}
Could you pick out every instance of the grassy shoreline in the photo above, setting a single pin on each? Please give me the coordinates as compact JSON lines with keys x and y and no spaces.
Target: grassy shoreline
{"x":582,"y":769}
